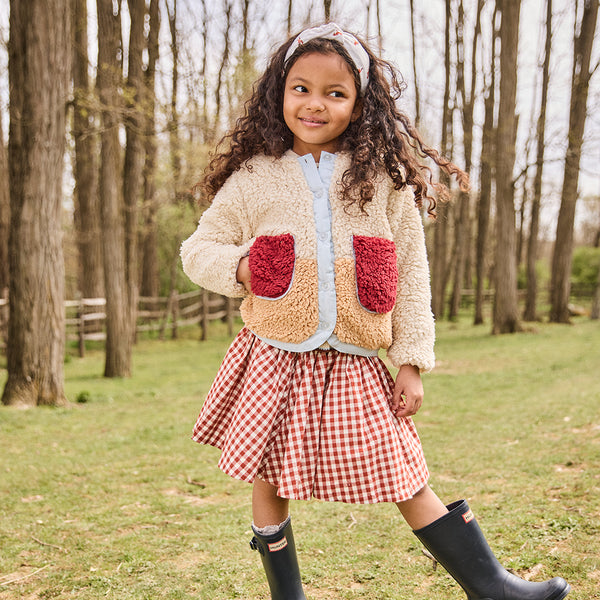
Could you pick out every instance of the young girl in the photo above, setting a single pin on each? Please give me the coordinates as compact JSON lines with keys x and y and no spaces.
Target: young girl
{"x":315,"y":222}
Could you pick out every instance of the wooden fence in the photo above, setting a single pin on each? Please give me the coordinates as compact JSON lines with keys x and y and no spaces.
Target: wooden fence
{"x":85,"y":318}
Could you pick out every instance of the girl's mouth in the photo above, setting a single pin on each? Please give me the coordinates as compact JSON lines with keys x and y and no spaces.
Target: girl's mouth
{"x":312,"y":122}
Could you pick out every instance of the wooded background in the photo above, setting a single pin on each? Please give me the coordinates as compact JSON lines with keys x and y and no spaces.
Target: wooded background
{"x":110,"y":109}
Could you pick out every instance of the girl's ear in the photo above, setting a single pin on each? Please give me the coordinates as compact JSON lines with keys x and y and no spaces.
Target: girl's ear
{"x":358,"y":106}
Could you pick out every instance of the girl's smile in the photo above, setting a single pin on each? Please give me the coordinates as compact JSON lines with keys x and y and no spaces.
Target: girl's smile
{"x":320,"y":101}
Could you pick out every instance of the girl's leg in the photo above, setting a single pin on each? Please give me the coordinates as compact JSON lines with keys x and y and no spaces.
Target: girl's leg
{"x":274,"y":540}
{"x":422,"y":509}
{"x":267,"y":507}
{"x":453,"y":536}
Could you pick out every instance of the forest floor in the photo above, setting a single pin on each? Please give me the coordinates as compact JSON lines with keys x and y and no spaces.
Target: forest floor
{"x":109,"y":497}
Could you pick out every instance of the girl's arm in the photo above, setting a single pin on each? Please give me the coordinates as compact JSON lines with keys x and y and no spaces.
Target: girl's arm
{"x":413,"y":330}
{"x":211,"y":255}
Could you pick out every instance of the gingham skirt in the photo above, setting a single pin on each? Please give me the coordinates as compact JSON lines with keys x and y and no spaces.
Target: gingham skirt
{"x":312,"y":424}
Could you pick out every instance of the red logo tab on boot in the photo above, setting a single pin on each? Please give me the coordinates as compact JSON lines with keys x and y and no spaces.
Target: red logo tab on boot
{"x":468,"y":516}
{"x":280,"y":545}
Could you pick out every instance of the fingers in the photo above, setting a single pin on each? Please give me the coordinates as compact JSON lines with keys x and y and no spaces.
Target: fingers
{"x":407,"y":406}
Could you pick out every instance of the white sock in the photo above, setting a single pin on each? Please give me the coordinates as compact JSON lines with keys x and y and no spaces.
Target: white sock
{"x":270,"y":529}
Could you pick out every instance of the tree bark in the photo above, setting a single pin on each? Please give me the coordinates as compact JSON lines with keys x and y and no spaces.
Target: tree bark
{"x":4,"y":215}
{"x":150,"y":279}
{"x":560,"y":285}
{"x":413,"y":38}
{"x":119,"y":336}
{"x":506,"y":313}
{"x":439,"y":275}
{"x":530,"y":313}
{"x":39,"y":70}
{"x":87,"y":207}
{"x":174,"y":121}
{"x":134,"y":150}
{"x":462,"y":229}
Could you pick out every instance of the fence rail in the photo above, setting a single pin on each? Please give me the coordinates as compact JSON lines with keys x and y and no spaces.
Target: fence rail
{"x":85,"y":318}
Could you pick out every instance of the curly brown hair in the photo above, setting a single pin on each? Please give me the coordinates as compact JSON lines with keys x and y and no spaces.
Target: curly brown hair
{"x":381,"y":139}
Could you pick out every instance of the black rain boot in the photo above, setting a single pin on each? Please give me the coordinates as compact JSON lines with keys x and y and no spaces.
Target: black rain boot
{"x":278,"y":554}
{"x":458,"y":544}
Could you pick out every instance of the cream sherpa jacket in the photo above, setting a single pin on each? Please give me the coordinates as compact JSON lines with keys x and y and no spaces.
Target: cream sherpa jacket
{"x":382,"y":287}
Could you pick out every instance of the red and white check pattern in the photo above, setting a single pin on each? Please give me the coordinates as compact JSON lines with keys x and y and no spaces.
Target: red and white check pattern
{"x":313,"y":424}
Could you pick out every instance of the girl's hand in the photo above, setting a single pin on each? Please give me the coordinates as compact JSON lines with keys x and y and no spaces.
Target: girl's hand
{"x":408,"y":392}
{"x":243,"y":272}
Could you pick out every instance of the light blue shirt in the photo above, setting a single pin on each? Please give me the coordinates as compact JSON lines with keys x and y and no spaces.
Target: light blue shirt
{"x":318,"y":178}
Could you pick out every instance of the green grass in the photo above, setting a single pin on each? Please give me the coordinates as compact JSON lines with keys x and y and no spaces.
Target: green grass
{"x":110,"y":498}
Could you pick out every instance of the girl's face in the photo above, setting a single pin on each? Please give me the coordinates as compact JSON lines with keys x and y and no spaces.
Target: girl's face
{"x":319,"y":102}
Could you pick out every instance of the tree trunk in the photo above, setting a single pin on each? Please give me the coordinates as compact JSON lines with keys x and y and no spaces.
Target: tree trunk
{"x":560,"y":285}
{"x":228,"y":8}
{"x":134,"y":150}
{"x":462,"y":230}
{"x":530,"y":313}
{"x":39,"y":69}
{"x":118,"y":323}
{"x":4,"y":215}
{"x":413,"y":38}
{"x":506,"y":311}
{"x":150,"y":280}
{"x":174,"y":121}
{"x":87,"y":207}
{"x":440,"y":236}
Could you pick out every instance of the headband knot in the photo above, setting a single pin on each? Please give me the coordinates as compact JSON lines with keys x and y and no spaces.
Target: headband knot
{"x":330,"y":31}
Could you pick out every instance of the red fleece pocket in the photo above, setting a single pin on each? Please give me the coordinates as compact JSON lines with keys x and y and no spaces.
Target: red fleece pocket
{"x":376,"y":272}
{"x":271,"y":264}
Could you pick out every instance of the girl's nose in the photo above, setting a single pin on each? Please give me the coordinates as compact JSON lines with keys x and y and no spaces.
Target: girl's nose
{"x":315,"y":103}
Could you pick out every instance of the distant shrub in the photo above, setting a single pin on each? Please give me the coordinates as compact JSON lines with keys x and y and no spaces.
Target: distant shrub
{"x":584,"y":270}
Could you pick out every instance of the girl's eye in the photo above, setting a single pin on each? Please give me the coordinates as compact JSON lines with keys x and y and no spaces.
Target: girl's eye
{"x":300,"y":88}
{"x":337,"y":94}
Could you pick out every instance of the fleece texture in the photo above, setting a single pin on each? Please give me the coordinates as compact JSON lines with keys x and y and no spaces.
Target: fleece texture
{"x":381,"y":272}
{"x":271,"y":263}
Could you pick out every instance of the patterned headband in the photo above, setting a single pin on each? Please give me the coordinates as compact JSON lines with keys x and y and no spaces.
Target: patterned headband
{"x":353,"y":47}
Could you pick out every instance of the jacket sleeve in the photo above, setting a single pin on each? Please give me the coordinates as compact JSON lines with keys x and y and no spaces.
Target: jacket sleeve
{"x":413,"y":328}
{"x":210,"y":256}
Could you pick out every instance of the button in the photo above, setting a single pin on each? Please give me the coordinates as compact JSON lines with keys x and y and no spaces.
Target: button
{"x":319,"y":193}
{"x":323,"y":236}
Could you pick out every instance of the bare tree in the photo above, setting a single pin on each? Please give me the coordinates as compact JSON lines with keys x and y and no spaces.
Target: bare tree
{"x":4,"y":215}
{"x":39,"y":70}
{"x":486,"y":177}
{"x":466,"y":93}
{"x":413,"y":38}
{"x":439,"y":271}
{"x":135,"y":124}
{"x":506,"y":314}
{"x":119,"y":336}
{"x":87,"y":208}
{"x":327,"y":9}
{"x":530,"y":313}
{"x":150,"y":282}
{"x":560,"y":285}
{"x":227,"y":7}
{"x":174,"y":120}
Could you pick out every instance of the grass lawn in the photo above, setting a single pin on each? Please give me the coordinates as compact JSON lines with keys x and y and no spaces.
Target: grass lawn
{"x":110,"y":499}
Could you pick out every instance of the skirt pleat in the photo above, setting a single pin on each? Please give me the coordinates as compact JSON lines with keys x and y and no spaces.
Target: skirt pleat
{"x":313,"y":424}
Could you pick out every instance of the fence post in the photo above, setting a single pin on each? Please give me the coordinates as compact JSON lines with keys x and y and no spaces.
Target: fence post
{"x":229,"y":314}
{"x":205,"y":315}
{"x":81,"y":325}
{"x":175,"y":312}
